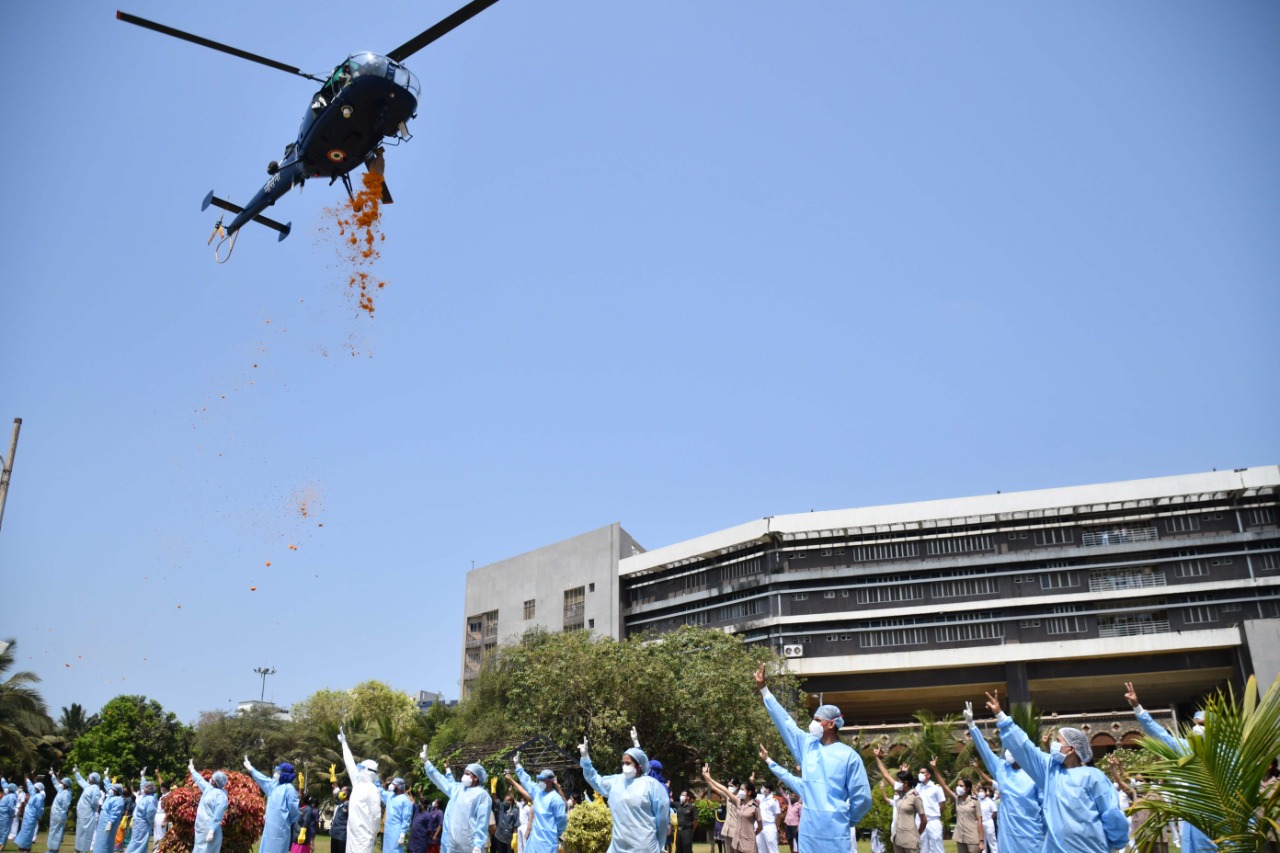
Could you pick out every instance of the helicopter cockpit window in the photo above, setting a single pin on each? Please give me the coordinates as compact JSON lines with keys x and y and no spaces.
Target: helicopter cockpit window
{"x":406,"y":78}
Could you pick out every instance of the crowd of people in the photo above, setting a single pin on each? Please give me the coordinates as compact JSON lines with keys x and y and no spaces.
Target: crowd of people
{"x":1046,"y":798}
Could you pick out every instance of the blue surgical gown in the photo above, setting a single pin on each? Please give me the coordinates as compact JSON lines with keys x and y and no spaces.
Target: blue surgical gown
{"x":1081,"y":810}
{"x":30,"y":818}
{"x":144,"y":817}
{"x":549,"y":816}
{"x":213,"y":805}
{"x":840,"y":794}
{"x":8,"y":808}
{"x":399,"y":816}
{"x":466,"y":817}
{"x":104,"y":840}
{"x":58,"y":816}
{"x":640,"y":808}
{"x":1193,"y":840}
{"x":282,"y":812}
{"x":86,"y":813}
{"x":1021,"y":814}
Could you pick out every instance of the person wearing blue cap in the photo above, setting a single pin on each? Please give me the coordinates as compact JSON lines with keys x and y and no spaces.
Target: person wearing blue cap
{"x":466,"y":817}
{"x":1193,"y":840}
{"x":399,"y":817}
{"x":282,"y":809}
{"x":1021,"y":817}
{"x":639,"y":804}
{"x":1081,"y":811}
{"x":209,"y":812}
{"x":549,"y":815}
{"x":144,"y":815}
{"x":31,"y":816}
{"x":87,"y":809}
{"x":8,"y":808}
{"x":109,"y":817}
{"x":837,"y":794}
{"x":58,"y":812}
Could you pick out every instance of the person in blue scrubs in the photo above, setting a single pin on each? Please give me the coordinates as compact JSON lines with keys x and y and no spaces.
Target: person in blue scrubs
{"x":58,"y":812}
{"x":282,"y":810}
{"x":466,"y":817}
{"x":1021,"y":814}
{"x":549,"y":815}
{"x":639,"y":804}
{"x":31,"y":816}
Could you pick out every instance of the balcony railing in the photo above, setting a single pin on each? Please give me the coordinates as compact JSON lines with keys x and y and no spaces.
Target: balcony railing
{"x":574,"y":611}
{"x":473,"y":640}
{"x":1110,"y":582}
{"x":1118,"y":536}
{"x":1133,"y":627}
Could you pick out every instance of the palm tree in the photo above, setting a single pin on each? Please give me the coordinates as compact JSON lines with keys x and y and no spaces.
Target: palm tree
{"x":74,"y":722}
{"x":937,"y":738}
{"x":25,"y":725}
{"x":1214,"y":780}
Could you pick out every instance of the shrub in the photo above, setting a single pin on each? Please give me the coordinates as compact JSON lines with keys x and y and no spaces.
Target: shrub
{"x":241,"y":825}
{"x":590,"y":828}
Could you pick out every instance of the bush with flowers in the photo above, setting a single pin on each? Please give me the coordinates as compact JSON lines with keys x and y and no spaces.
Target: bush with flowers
{"x":241,"y":825}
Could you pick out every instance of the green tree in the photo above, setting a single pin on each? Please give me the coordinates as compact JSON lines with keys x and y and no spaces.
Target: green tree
{"x":690,"y":693}
{"x":26,"y":730}
{"x":134,"y":732}
{"x":1214,"y":781}
{"x":223,"y":739}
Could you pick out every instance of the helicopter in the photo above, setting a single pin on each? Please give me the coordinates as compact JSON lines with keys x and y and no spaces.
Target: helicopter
{"x":368,"y":99}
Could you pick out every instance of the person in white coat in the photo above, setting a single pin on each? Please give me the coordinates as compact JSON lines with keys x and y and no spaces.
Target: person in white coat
{"x":364,"y":817}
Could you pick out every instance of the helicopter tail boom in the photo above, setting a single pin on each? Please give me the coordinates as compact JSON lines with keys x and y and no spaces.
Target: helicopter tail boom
{"x":282,"y":228}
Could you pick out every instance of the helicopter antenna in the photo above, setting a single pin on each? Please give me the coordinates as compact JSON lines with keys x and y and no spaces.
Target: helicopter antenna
{"x":426,"y":37}
{"x":204,"y":42}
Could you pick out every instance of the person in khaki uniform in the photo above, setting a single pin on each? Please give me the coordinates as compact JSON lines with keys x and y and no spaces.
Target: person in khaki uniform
{"x":908,"y":815}
{"x":742,"y":819}
{"x":968,"y":836}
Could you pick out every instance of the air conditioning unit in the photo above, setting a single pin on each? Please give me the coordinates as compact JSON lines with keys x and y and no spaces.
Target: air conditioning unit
{"x":793,"y":651}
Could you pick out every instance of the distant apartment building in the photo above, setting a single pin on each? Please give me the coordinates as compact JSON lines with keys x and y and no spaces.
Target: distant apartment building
{"x":1056,"y":596}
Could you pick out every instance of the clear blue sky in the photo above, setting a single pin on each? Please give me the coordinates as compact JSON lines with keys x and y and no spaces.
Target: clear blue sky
{"x":675,"y":264}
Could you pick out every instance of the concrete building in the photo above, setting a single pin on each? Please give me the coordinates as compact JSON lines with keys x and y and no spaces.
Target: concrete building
{"x":1056,"y":596}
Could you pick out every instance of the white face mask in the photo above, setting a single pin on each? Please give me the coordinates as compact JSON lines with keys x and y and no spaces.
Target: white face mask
{"x":467,"y":781}
{"x":920,"y":777}
{"x":629,"y":771}
{"x":816,"y":728}
{"x":1198,"y":729}
{"x":897,"y":786}
{"x":960,"y":790}
{"x":982,"y":795}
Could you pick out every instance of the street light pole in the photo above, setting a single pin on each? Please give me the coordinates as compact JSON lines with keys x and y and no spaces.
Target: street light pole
{"x":6,"y":470}
{"x":264,"y":671}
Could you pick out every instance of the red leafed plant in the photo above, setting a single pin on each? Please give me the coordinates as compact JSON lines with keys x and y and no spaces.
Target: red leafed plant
{"x":241,"y":825}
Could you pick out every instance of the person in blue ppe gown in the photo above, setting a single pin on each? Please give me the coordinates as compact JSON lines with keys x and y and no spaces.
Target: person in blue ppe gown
{"x":1021,"y":815}
{"x":1081,"y":811}
{"x":58,"y":812}
{"x":31,"y":816}
{"x":466,"y":817}
{"x":87,"y":809}
{"x":399,"y":817}
{"x":210,"y":811}
{"x":1193,"y":840}
{"x":109,"y":816}
{"x":282,"y":808}
{"x":549,"y":815}
{"x":8,"y":808}
{"x":639,"y":804}
{"x":839,"y":792}
{"x":144,"y":815}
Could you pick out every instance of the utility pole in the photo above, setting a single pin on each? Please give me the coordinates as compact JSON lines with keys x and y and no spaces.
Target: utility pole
{"x":264,"y":671}
{"x":7,"y":471}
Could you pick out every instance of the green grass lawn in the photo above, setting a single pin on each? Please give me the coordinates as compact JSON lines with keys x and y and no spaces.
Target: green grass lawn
{"x":322,"y":845}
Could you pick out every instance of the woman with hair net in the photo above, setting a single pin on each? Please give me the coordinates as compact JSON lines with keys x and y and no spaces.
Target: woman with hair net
{"x":87,"y":809}
{"x":31,"y":816}
{"x":466,"y":817}
{"x":1021,"y":817}
{"x":144,"y":815}
{"x":364,"y":815}
{"x":549,"y":816}
{"x":639,"y":804}
{"x":58,"y":812}
{"x":213,"y":805}
{"x":109,"y":817}
{"x":8,"y":808}
{"x":399,"y":816}
{"x":1193,"y":840}
{"x":839,"y":794}
{"x":282,"y":806}
{"x":1081,"y":811}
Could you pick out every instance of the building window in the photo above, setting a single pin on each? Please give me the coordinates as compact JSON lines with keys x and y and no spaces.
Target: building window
{"x":741,"y":570}
{"x":530,"y":607}
{"x":591,"y":623}
{"x":957,"y":545}
{"x":1191,"y":568}
{"x":1222,"y":561}
{"x":1264,"y":515}
{"x":1270,"y":563}
{"x":800,"y":596}
{"x":1212,"y":516}
{"x":884,"y":594}
{"x":964,"y":632}
{"x":591,"y":587}
{"x":740,"y":610}
{"x":1055,"y":536}
{"x":575,"y":604}
{"x":844,"y":593}
{"x":1064,"y":624}
{"x":831,"y":593}
{"x":702,"y":617}
{"x":1206,"y":612}
{"x":887,"y":551}
{"x":963,"y":588}
{"x":1182,"y":524}
{"x":1059,"y":580}
{"x":832,"y":638}
{"x":1029,"y":623}
{"x":893,"y":637}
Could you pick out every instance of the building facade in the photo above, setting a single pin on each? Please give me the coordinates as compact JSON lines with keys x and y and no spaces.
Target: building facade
{"x":1056,"y":596}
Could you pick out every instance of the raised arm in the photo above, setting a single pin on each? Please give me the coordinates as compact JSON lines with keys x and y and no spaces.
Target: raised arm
{"x":526,"y":781}
{"x":792,"y":734}
{"x":714,"y":785}
{"x":199,"y":780}
{"x":518,"y":788}
{"x":441,"y":781}
{"x":80,"y":780}
{"x":265,"y":782}
{"x":1035,"y":762}
{"x":1148,"y":723}
{"x":349,"y":760}
{"x":594,"y":779}
{"x":980,"y":744}
{"x":1117,"y":774}
{"x":941,"y":777}
{"x":891,"y":778}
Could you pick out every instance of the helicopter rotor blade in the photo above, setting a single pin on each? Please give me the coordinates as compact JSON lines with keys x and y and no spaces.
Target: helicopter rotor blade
{"x":426,"y":37}
{"x":204,"y":42}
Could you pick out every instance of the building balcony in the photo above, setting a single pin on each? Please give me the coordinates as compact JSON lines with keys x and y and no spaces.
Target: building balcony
{"x":1133,"y":627}
{"x":574,"y":612}
{"x":1118,"y":580}
{"x":1118,"y":536}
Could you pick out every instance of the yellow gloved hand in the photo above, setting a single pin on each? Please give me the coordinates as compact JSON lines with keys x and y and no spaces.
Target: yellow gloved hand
{"x":302,"y":836}
{"x":333,"y":774}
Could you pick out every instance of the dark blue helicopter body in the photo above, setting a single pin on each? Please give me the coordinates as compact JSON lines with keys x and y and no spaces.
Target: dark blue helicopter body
{"x":366,"y":100}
